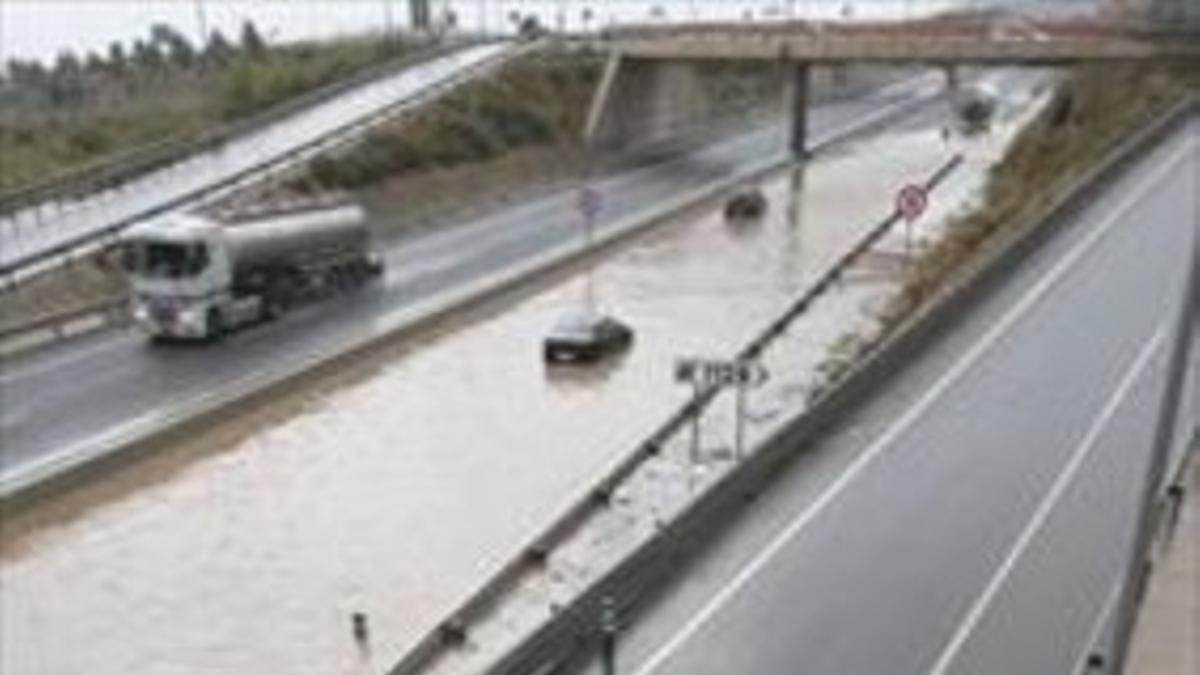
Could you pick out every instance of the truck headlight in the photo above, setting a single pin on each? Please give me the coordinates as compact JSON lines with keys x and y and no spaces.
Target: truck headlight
{"x":192,"y":317}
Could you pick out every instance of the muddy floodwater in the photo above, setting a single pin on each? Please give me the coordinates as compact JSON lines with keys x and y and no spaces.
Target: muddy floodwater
{"x":396,"y":494}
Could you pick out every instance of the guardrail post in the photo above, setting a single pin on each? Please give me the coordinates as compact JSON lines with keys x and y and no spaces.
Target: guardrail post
{"x":694,"y":449}
{"x":798,"y":110}
{"x":608,"y":635}
{"x":739,"y":441}
{"x":1138,"y":566}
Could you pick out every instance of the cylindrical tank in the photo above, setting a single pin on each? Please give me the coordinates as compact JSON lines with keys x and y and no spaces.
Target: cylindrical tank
{"x":297,"y":237}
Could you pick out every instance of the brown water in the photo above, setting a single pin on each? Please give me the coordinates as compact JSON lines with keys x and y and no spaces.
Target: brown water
{"x":398,"y":494}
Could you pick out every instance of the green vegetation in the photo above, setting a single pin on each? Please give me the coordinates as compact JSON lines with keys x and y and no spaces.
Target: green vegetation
{"x":87,"y":109}
{"x":539,"y":100}
{"x":1093,"y":109}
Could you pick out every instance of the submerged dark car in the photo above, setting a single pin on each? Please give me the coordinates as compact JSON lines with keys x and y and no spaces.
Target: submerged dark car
{"x":748,"y":204}
{"x":586,"y":337}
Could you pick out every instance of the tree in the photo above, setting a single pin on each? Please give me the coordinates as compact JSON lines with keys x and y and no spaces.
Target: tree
{"x":27,"y":74}
{"x":252,"y":42}
{"x":117,"y":61}
{"x":146,"y":55}
{"x":218,"y":50}
{"x":176,"y":45}
{"x":66,"y":81}
{"x":95,"y":63}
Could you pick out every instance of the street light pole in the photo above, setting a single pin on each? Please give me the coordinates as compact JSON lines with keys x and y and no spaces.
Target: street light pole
{"x":387,"y":20}
{"x":201,"y":24}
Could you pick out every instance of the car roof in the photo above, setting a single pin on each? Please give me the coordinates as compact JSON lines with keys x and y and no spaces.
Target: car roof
{"x":578,"y":320}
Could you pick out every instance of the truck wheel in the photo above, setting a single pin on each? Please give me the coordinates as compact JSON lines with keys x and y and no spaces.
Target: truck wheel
{"x":271,"y":309}
{"x":214,"y":325}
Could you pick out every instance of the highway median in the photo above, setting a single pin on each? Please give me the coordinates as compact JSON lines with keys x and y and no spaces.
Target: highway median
{"x":571,"y":635}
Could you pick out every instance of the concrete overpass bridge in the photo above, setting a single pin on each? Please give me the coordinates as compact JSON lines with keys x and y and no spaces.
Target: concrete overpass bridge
{"x":651,"y":81}
{"x":996,"y":42}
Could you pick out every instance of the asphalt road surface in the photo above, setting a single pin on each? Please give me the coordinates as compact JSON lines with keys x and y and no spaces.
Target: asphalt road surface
{"x":975,"y":516}
{"x":70,"y":396}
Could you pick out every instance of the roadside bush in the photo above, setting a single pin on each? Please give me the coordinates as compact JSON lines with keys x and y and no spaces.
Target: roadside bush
{"x":537,"y":101}
{"x":86,"y":110}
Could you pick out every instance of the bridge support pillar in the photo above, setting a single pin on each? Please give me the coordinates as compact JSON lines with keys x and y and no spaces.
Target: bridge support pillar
{"x":797,"y":98}
{"x":952,"y":79}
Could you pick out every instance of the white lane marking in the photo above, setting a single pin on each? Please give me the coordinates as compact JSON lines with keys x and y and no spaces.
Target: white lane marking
{"x":982,"y":603}
{"x":1106,"y":612}
{"x":910,"y":416}
{"x":443,"y":261}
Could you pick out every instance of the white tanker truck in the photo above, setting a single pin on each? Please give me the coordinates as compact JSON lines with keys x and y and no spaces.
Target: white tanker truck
{"x":192,"y":277}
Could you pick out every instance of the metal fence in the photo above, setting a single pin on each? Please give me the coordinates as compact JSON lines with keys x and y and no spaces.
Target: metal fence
{"x":575,"y":631}
{"x":23,"y":267}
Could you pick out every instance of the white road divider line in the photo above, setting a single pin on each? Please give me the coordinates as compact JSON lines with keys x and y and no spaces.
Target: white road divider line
{"x":1106,"y":612}
{"x":904,"y":422}
{"x":968,"y":624}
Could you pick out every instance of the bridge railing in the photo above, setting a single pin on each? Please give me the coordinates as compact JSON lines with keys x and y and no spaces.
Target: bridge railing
{"x":109,"y":172}
{"x":29,"y":223}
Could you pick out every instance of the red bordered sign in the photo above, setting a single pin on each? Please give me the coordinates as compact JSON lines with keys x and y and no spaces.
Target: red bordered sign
{"x":911,"y":201}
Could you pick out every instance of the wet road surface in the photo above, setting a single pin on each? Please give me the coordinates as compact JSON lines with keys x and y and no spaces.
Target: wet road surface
{"x":30,"y":231}
{"x":975,"y":516}
{"x":81,"y":393}
{"x":247,"y":550}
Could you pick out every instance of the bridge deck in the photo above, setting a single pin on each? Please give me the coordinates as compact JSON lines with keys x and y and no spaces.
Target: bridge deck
{"x":995,"y":43}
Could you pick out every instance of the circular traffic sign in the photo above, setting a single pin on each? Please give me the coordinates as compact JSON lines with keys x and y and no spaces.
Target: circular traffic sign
{"x":912,"y":201}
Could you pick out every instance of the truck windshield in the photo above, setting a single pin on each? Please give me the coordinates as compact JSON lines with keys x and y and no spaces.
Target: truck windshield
{"x":165,"y":260}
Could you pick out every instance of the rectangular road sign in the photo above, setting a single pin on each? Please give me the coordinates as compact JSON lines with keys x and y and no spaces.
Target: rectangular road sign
{"x":719,"y":372}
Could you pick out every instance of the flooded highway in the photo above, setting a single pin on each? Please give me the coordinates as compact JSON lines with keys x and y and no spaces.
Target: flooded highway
{"x":247,"y":548}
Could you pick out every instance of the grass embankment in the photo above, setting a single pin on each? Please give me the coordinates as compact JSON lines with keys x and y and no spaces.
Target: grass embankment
{"x":492,"y":140}
{"x":1091,"y":110}
{"x":487,"y":137}
{"x":88,"y":109}
{"x":496,"y":139}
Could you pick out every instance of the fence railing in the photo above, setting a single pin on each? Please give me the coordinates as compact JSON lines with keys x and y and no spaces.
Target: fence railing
{"x":436,"y":644}
{"x":106,"y":172}
{"x":21,"y":268}
{"x":625,"y":586}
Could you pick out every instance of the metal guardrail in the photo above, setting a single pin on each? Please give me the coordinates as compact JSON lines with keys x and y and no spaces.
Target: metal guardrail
{"x":632,"y":582}
{"x":56,"y":323}
{"x":770,"y":45}
{"x":598,"y":496}
{"x":108,"y":172}
{"x":17,"y":271}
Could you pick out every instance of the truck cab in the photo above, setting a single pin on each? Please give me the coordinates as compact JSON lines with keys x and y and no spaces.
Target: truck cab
{"x":192,"y":277}
{"x":180,"y":279}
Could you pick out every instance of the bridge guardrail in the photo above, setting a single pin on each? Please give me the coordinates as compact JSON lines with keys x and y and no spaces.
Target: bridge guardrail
{"x":15,"y":272}
{"x":633,"y":581}
{"x":58,"y":324}
{"x":107,"y":172}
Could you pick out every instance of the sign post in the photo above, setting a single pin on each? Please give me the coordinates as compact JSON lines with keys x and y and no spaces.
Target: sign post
{"x":719,"y":374}
{"x":911,"y":202}
{"x":589,"y":205}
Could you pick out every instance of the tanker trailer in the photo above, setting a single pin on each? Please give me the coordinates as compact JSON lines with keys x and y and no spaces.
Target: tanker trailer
{"x":192,"y":277}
